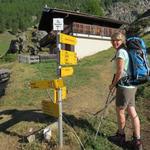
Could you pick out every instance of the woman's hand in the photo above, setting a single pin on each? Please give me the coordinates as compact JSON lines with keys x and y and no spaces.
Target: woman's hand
{"x":111,"y":87}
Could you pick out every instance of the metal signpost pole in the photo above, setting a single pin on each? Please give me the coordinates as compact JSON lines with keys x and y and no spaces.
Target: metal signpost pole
{"x":64,"y":57}
{"x":60,"y":129}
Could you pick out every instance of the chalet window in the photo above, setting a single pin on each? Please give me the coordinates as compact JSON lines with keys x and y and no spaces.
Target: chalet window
{"x":102,"y":31}
{"x":81,"y":28}
{"x":110,"y":31}
{"x":93,"y":30}
{"x":98,"y":30}
{"x":87,"y":29}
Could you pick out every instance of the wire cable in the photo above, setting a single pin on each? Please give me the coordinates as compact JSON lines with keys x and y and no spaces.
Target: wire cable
{"x":78,"y":139}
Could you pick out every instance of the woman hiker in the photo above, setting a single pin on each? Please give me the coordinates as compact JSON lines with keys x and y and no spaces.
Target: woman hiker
{"x":125,"y":95}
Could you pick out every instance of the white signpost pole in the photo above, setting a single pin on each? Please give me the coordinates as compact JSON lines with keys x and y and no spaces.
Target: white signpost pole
{"x":59,"y":98}
{"x":58,"y":25}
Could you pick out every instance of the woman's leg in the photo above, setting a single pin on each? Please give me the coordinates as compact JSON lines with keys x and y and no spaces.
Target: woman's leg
{"x":121,"y":119}
{"x":135,"y":121}
{"x":119,"y":137}
{"x":136,"y":142}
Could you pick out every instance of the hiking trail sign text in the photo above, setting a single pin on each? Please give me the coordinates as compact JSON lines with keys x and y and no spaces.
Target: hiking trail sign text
{"x":68,"y":57}
{"x":58,"y":24}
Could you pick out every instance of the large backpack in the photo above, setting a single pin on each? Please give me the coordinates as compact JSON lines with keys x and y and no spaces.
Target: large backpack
{"x":139,"y":69}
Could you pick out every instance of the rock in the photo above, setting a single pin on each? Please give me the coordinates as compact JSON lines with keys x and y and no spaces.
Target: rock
{"x":31,"y":138}
{"x":50,"y":132}
{"x":127,"y":11}
{"x":47,"y":134}
{"x":37,"y":35}
{"x":4,"y":77}
{"x":141,"y":25}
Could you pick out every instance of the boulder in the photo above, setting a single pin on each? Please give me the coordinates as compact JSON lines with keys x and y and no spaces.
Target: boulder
{"x":4,"y":77}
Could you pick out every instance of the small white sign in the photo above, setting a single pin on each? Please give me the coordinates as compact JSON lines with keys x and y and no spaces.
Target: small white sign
{"x":58,"y":24}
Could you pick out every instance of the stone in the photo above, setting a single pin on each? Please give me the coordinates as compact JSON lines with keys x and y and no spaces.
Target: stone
{"x":31,"y":138}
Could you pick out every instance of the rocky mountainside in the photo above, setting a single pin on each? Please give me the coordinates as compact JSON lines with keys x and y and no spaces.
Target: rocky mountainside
{"x":141,"y":25}
{"x":135,"y":12}
{"x":127,"y":11}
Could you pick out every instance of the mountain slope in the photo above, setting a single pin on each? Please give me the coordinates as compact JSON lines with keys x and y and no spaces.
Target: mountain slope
{"x":141,"y":25}
{"x":127,"y":11}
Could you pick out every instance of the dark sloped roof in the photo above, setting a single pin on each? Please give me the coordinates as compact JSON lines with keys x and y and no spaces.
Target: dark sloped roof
{"x":72,"y":16}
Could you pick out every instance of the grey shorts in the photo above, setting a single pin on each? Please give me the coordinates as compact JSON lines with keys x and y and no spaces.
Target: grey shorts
{"x":125,"y":97}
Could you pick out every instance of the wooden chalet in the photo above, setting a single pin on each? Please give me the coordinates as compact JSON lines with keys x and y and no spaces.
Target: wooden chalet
{"x":93,"y":32}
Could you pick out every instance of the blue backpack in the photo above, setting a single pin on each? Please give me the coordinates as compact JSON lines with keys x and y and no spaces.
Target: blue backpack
{"x":139,"y":68}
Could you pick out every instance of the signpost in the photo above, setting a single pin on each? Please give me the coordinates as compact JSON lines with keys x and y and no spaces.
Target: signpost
{"x":58,"y":24}
{"x":45,"y":84}
{"x":66,"y":71}
{"x":50,"y":108}
{"x":63,"y":96}
{"x":68,"y":58}
{"x":64,"y":57}
{"x":67,"y":39}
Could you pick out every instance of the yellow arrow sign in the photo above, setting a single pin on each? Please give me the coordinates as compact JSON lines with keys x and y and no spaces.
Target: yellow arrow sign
{"x":67,"y":39}
{"x":58,"y":83}
{"x":66,"y":71}
{"x":50,"y":108}
{"x":45,"y":84}
{"x":68,"y":58}
{"x":63,"y":94}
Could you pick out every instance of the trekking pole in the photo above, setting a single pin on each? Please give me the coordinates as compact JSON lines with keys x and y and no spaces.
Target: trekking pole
{"x":108,"y":101}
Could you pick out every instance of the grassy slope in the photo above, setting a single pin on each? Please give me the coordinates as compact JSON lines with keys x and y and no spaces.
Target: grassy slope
{"x":19,"y":96}
{"x":90,"y":73}
{"x":5,"y":39}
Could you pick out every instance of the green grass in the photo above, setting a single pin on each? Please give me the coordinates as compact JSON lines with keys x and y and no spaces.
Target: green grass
{"x":19,"y":95}
{"x":99,"y":142}
{"x":5,"y":39}
{"x":87,"y":69}
{"x":147,"y":40}
{"x":83,"y":73}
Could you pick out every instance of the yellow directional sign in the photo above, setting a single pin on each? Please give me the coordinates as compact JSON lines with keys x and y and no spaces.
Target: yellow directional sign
{"x":67,"y":39}
{"x":45,"y":84}
{"x":66,"y":71}
{"x":63,"y":94}
{"x":58,"y":83}
{"x":50,"y":108}
{"x":68,"y":58}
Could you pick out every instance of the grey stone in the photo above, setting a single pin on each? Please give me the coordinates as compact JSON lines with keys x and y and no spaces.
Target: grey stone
{"x":31,"y":138}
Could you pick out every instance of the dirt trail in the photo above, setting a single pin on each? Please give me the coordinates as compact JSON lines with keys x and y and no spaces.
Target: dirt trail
{"x":90,"y":98}
{"x":81,"y":101}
